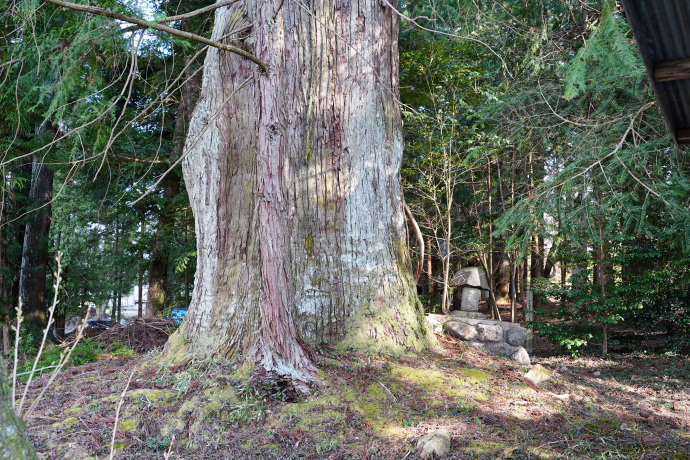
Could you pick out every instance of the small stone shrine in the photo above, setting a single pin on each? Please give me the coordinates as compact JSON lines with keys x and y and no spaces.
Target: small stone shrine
{"x":497,"y":337}
{"x":472,"y":281}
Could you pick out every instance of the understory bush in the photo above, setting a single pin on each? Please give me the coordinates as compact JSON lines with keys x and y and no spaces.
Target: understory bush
{"x":642,"y":293}
{"x":86,"y":351}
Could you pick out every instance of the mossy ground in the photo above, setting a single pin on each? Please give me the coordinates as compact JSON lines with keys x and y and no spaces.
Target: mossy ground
{"x":371,"y":406}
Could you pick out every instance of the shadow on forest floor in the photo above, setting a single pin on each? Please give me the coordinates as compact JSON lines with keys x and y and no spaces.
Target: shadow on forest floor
{"x":373,"y":406}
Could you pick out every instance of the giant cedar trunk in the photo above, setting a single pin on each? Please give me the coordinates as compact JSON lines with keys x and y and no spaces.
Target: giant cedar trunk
{"x":32,"y":279}
{"x":293,"y":177}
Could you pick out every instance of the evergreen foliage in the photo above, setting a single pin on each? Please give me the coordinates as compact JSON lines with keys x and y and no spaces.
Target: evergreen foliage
{"x":98,"y":103}
{"x":566,"y":125}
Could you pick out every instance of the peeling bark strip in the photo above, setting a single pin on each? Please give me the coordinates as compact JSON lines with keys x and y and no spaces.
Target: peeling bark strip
{"x":295,"y":188}
{"x":279,"y":350}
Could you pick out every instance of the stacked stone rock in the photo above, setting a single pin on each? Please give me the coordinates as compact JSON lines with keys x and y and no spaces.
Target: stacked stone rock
{"x":498,"y":337}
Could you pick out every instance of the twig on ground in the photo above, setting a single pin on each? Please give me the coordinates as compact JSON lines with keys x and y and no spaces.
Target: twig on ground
{"x":117,"y":415}
{"x":172,"y":440}
{"x":389,"y":391}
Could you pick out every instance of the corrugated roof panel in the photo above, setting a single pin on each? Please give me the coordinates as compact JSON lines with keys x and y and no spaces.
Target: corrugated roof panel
{"x":662,"y":31}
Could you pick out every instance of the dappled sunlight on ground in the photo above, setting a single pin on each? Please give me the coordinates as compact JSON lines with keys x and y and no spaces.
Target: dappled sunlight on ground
{"x":374,"y":406}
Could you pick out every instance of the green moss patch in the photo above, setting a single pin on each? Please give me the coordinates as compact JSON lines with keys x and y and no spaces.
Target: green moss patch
{"x":378,"y":407}
{"x":474,"y":375}
{"x":435,"y":382}
{"x":598,"y":426}
{"x":66,"y":423}
{"x":128,"y":425}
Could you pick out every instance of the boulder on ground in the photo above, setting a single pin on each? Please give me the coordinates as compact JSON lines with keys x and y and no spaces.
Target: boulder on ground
{"x":434,"y":445}
{"x":497,"y":348}
{"x":436,"y":322}
{"x":497,"y":337}
{"x":538,"y":374}
{"x":516,"y":336}
{"x":489,"y":333}
{"x":521,"y":356}
{"x":460,"y":330}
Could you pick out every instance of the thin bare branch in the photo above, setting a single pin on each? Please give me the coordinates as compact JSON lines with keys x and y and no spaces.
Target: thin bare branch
{"x":420,"y":242}
{"x":13,"y":61}
{"x":180,"y":17}
{"x":156,"y":26}
{"x":129,"y":86}
{"x":192,"y":144}
{"x":191,"y":14}
{"x":476,"y":40}
{"x":117,"y":414}
{"x":46,"y":331}
{"x":141,"y":160}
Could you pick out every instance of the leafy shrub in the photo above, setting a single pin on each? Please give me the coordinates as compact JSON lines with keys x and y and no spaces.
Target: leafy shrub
{"x":26,"y":343}
{"x":669,"y":312}
{"x":581,"y":309}
{"x":158,"y":442}
{"x":431,"y":303}
{"x":120,"y":349}
{"x":86,"y":351}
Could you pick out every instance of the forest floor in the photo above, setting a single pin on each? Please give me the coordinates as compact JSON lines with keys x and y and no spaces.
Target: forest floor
{"x":370,"y":406}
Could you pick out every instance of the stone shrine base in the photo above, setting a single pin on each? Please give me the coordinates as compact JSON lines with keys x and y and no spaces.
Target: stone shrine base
{"x":497,"y":337}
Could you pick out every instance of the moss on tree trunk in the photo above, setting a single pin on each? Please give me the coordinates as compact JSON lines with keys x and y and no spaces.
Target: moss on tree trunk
{"x":13,"y":442}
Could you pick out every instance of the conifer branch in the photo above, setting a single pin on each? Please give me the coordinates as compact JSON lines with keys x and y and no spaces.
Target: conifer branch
{"x":156,"y":26}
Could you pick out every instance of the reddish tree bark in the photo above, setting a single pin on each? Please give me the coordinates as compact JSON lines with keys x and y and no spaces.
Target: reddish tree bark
{"x":293,"y":177}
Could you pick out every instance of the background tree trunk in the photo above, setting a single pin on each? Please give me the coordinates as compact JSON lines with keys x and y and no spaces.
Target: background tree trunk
{"x":140,"y":291}
{"x":503,"y":269}
{"x":428,"y":269}
{"x":293,"y":178}
{"x":523,"y":280}
{"x":5,"y":286}
{"x":536,"y":265}
{"x":32,"y":279}
{"x":160,"y":256}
